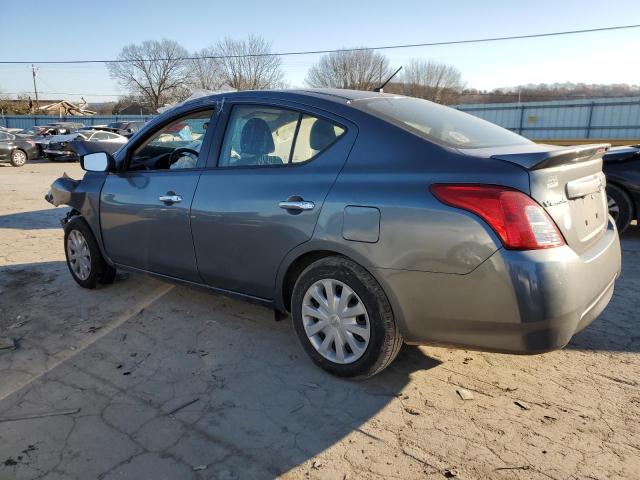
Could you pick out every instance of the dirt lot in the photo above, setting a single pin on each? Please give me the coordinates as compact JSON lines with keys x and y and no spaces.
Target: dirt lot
{"x":155,"y":381}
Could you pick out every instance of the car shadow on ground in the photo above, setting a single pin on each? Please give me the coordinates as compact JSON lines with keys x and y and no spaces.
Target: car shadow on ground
{"x":191,"y":376}
{"x":34,"y":219}
{"x":617,"y":327}
{"x":29,"y":162}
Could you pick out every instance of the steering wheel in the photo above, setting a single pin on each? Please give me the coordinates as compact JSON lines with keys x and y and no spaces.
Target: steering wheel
{"x":178,"y":151}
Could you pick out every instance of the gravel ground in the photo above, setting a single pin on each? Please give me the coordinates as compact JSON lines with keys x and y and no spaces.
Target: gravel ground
{"x":143,"y":379}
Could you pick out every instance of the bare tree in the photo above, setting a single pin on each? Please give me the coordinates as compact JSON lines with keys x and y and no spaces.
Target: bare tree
{"x":356,"y":69}
{"x":154,"y":70}
{"x":205,"y":72}
{"x":431,"y":80}
{"x":241,"y":64}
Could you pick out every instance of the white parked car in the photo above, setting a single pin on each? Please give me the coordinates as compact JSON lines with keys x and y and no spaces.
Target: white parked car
{"x":59,"y":147}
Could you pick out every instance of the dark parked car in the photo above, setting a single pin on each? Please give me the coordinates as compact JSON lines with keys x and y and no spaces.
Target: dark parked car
{"x":17,"y":150}
{"x":373,"y":219}
{"x":36,"y":130}
{"x":622,"y":168}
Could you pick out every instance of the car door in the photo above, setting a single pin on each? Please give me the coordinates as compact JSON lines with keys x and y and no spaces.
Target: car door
{"x":144,"y":209}
{"x":272,"y":173}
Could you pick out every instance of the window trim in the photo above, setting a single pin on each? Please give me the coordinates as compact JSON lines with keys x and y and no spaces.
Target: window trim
{"x":290,"y":164}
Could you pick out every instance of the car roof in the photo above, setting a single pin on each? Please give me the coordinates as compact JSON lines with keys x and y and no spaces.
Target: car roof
{"x":335,"y":95}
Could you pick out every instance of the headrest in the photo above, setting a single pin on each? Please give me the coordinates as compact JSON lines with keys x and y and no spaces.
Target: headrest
{"x":321,"y":135}
{"x":256,"y":138}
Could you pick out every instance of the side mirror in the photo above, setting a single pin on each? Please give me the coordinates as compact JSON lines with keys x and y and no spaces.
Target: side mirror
{"x":97,"y":162}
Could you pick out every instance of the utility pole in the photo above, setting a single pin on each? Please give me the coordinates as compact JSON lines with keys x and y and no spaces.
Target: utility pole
{"x":35,"y":88}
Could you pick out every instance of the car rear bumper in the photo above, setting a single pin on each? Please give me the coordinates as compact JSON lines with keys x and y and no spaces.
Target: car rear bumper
{"x":515,"y":302}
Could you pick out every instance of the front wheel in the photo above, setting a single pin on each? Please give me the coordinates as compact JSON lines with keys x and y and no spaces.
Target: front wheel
{"x":343,"y":318}
{"x":84,"y":259}
{"x":18,"y":158}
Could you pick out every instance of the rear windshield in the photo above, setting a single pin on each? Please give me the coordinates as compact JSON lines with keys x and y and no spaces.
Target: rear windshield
{"x":440,"y":124}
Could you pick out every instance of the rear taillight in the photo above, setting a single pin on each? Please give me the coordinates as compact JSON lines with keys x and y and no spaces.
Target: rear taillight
{"x":31,"y":142}
{"x":518,"y":220}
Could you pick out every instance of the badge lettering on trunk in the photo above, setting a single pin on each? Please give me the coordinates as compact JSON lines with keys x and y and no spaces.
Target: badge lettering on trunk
{"x":553,"y":203}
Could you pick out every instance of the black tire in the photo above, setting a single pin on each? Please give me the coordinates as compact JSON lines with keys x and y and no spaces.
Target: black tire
{"x":99,"y":271}
{"x":18,"y":157}
{"x":622,"y":207}
{"x":385,"y":339}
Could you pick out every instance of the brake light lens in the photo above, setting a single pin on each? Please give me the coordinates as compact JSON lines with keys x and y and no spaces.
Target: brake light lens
{"x":31,"y":142}
{"x":520,"y":222}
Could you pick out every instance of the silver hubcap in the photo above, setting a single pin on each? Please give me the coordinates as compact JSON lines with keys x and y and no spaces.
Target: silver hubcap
{"x":19,"y":158}
{"x":614,"y":209}
{"x":336,"y":321}
{"x":78,"y":255}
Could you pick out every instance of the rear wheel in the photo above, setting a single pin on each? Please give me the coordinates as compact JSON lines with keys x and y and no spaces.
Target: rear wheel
{"x":620,"y":206}
{"x":18,"y":158}
{"x":343,"y":318}
{"x":84,"y":259}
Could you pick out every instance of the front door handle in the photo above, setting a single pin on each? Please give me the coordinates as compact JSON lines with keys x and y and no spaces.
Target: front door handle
{"x":297,"y":206}
{"x":170,"y":198}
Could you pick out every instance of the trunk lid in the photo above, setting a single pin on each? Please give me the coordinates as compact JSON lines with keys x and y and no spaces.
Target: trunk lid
{"x":569,"y":184}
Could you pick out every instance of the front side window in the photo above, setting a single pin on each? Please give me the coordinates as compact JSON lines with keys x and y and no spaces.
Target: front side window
{"x":174,"y":146}
{"x":269,"y":136}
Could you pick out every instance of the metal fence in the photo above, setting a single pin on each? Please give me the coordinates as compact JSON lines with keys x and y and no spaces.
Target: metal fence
{"x":26,"y":121}
{"x":605,"y":118}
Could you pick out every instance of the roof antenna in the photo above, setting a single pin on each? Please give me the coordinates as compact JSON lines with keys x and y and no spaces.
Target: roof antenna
{"x":379,"y":89}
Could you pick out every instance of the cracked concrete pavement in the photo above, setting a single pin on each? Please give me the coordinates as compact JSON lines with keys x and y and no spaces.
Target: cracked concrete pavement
{"x":151,"y":380}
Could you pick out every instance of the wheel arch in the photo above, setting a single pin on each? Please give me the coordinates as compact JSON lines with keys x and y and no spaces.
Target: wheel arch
{"x":304,"y":255}
{"x":635,"y":211}
{"x":300,"y":258}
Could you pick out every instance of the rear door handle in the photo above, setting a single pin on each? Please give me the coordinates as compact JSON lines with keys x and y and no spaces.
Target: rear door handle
{"x":297,"y":206}
{"x":170,"y":198}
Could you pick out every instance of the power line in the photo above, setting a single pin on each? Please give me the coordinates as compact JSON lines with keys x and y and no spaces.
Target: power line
{"x":68,"y":93}
{"x":315,"y":52}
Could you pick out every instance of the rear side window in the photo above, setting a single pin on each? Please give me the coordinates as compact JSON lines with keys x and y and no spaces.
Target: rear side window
{"x":269,"y":136}
{"x":100,"y":136}
{"x":440,"y":124}
{"x":314,"y":136}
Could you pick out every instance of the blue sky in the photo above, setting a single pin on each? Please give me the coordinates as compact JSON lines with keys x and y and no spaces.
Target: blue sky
{"x":103,"y":28}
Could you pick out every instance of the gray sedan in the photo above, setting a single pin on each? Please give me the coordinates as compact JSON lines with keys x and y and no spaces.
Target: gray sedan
{"x":373,"y":219}
{"x":17,"y":150}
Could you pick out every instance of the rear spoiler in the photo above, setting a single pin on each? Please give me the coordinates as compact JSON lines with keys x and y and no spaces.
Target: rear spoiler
{"x":555,"y":156}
